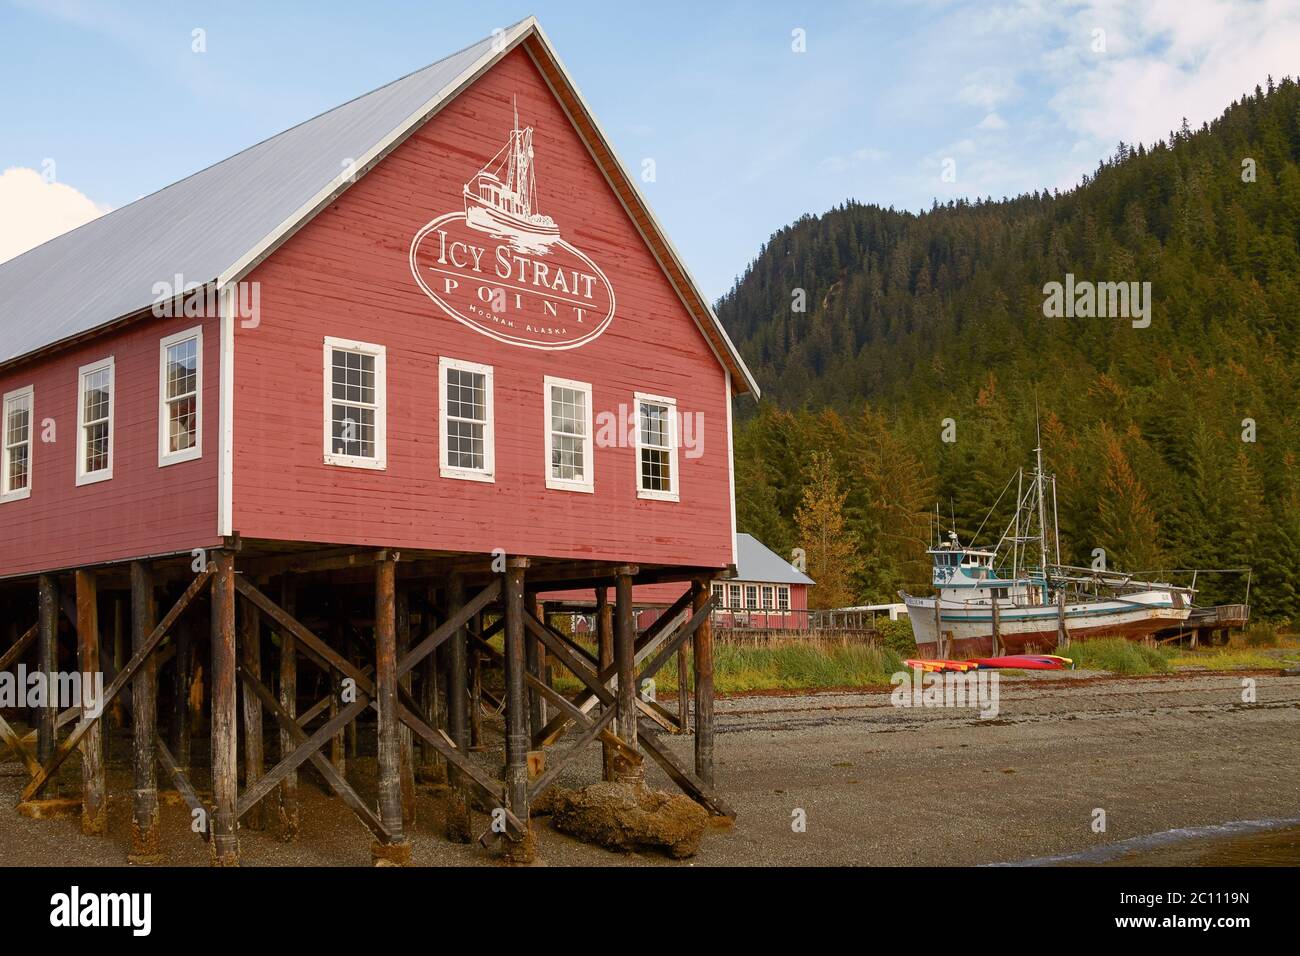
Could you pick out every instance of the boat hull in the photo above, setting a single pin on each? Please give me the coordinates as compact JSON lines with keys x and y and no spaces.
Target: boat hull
{"x":968,"y":629}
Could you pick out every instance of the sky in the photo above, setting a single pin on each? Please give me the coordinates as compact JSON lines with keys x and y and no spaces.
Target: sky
{"x":754,"y":113}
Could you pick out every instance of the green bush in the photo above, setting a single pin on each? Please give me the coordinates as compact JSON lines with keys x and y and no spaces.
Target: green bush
{"x":897,"y":635}
{"x":1263,"y":634}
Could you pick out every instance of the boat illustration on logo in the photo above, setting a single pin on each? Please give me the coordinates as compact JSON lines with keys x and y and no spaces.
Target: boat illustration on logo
{"x":500,"y":266}
{"x":501,"y":198}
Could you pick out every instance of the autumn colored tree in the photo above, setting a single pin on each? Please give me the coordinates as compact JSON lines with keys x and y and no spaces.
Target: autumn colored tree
{"x":831,"y":556}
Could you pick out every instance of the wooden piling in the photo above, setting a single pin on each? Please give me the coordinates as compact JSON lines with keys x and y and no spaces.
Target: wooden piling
{"x":47,"y":656}
{"x":458,"y":812}
{"x":605,"y":659}
{"x":476,"y":686}
{"x":94,"y":791}
{"x":146,"y":847}
{"x":702,"y":650}
{"x":625,"y":667}
{"x":290,"y":819}
{"x":1062,"y":631}
{"x":402,"y":612}
{"x":430,"y":770}
{"x":395,"y":850}
{"x":250,"y":655}
{"x":225,"y":767}
{"x":519,"y":850}
{"x":182,"y":676}
{"x":533,"y":659}
{"x":997,"y":628}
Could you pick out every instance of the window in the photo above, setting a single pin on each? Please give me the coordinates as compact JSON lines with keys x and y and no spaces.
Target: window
{"x":355,"y":404}
{"x":180,"y":392}
{"x":656,"y":447}
{"x":569,"y":461}
{"x":751,"y":597}
{"x":95,"y":422}
{"x":767,"y":597}
{"x":465,"y":397}
{"x":16,"y":445}
{"x":783,"y":598}
{"x":733,"y":592}
{"x":719,"y":595}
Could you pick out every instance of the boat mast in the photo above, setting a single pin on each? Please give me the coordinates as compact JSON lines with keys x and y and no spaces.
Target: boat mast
{"x":1015,"y":542}
{"x":1038,"y":487}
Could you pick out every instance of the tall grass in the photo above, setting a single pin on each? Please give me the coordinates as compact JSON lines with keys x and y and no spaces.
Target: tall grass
{"x":1119,"y":656}
{"x":790,"y":665}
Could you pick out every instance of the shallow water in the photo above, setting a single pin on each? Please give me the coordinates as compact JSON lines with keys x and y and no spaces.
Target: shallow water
{"x":1271,"y":842}
{"x":1269,"y":848}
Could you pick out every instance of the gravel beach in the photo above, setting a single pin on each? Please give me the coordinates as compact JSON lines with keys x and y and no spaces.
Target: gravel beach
{"x":876,"y":784}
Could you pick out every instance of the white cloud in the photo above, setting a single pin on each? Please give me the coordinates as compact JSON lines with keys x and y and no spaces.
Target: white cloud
{"x":838,"y":164}
{"x":992,"y":122}
{"x":33,"y":210}
{"x":988,"y":86}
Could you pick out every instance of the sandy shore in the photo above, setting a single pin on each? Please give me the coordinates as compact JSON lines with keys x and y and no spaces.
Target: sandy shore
{"x":878,"y":785}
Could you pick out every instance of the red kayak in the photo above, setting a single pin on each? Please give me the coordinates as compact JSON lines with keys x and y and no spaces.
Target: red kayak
{"x":1028,"y":662}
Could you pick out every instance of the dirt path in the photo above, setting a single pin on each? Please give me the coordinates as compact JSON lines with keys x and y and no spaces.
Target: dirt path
{"x":876,"y":784}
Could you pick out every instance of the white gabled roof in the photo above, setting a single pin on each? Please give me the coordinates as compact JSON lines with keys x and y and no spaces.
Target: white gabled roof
{"x":216,"y":225}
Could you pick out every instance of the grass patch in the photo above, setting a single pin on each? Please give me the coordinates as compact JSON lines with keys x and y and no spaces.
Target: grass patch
{"x":1119,"y":656}
{"x":1225,"y":658}
{"x":802,"y":665}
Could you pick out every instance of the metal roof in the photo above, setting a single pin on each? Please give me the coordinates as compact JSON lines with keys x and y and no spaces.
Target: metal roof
{"x":756,"y":562}
{"x":215,"y":225}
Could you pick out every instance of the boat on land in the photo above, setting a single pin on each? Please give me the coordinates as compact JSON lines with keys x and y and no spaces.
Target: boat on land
{"x":1017,"y":598}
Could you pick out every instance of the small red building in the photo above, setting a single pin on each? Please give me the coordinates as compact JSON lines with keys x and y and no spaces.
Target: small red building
{"x":437,"y":327}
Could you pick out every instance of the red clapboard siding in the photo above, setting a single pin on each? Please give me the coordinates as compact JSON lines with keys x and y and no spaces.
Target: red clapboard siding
{"x":142,"y":509}
{"x":347,"y":274}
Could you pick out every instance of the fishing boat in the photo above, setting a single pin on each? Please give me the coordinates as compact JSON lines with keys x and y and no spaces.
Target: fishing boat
{"x":1018,"y":598}
{"x":501,"y":198}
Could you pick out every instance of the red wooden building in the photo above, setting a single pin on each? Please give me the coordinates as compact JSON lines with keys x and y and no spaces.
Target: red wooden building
{"x":403,"y":366}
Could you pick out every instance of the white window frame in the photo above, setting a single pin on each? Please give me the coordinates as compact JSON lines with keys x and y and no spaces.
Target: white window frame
{"x":166,"y":457}
{"x":28,"y":392}
{"x":751,"y":589}
{"x":675,"y":478}
{"x":380,"y":354}
{"x":719,"y":594}
{"x":783,"y":592}
{"x":488,"y":473}
{"x":104,"y":474}
{"x":737,"y":592}
{"x":767,"y":597}
{"x":588,"y":482}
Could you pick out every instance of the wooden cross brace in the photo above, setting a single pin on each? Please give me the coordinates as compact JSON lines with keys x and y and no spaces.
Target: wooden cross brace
{"x":322,"y":653}
{"x":150,"y":645}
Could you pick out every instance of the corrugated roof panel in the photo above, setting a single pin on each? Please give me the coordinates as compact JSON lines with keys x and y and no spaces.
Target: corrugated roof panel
{"x":202,"y":225}
{"x":755,"y":561}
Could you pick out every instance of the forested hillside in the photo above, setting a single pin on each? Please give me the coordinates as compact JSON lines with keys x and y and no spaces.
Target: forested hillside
{"x":1175,"y":445}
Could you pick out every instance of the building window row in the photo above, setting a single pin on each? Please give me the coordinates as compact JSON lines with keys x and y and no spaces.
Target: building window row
{"x":752,"y":597}
{"x":355,"y":429}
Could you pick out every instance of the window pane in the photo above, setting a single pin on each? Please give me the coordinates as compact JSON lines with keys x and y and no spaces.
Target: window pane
{"x":655,"y":470}
{"x":654,"y":425}
{"x":465,"y":447}
{"x":465,"y":395}
{"x":182,"y":424}
{"x":182,"y":368}
{"x":18,"y":468}
{"x":96,"y":447}
{"x":18,"y":421}
{"x":96,"y":395}
{"x":353,"y":430}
